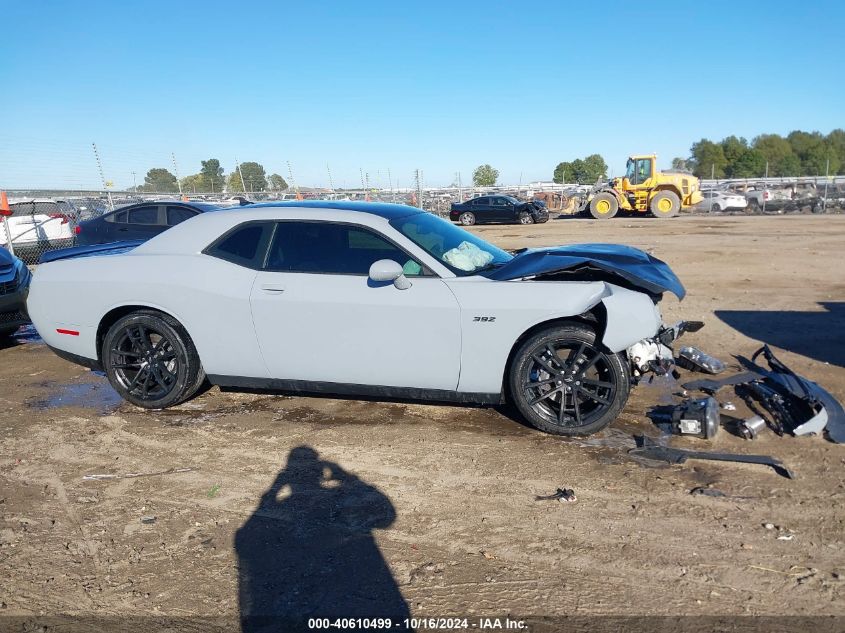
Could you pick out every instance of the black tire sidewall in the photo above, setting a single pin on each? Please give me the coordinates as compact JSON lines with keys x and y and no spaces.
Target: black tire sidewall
{"x":187,"y":360}
{"x":577,"y":333}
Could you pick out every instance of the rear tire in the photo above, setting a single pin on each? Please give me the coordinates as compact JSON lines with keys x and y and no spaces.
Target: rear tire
{"x":563,"y":382}
{"x":151,"y":361}
{"x":604,"y":206}
{"x":665,"y":204}
{"x":467,"y":218}
{"x":716,"y":208}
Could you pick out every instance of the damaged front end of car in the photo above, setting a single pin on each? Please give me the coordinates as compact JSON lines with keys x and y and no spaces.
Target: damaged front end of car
{"x":656,"y":355}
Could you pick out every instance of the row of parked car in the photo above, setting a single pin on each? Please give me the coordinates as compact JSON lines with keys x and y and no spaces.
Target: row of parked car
{"x":756,"y":196}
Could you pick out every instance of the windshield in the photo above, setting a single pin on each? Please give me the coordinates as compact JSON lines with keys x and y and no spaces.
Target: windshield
{"x":460,"y":251}
{"x":629,"y":172}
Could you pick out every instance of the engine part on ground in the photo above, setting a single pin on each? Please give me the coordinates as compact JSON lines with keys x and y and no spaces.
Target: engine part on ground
{"x":564,"y":495}
{"x":749,"y":428}
{"x":697,"y":417}
{"x":647,"y":449}
{"x":694,"y":359}
{"x":728,"y":406}
{"x":794,"y":403}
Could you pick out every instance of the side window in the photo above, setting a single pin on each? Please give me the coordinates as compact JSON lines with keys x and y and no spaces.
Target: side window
{"x":245,"y":245}
{"x":480,"y":202}
{"x":175,"y":215}
{"x":323,"y":247}
{"x":143,"y":215}
{"x":119,"y":217}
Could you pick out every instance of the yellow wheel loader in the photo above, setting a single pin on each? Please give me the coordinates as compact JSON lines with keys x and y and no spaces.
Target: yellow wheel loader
{"x":643,"y":189}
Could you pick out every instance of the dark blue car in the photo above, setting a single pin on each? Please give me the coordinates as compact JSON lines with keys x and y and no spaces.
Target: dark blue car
{"x":14,"y":287}
{"x":139,"y":221}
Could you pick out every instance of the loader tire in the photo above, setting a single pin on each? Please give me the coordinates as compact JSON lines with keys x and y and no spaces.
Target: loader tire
{"x":604,"y":206}
{"x":665,"y":204}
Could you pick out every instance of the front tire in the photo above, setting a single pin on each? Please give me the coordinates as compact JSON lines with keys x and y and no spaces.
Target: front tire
{"x":563,"y":382}
{"x":525,"y":218}
{"x":467,"y":218}
{"x":716,"y":208}
{"x":604,"y":206}
{"x":151,"y":361}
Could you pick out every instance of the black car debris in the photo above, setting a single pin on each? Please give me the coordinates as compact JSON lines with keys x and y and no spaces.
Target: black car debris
{"x":504,"y":209}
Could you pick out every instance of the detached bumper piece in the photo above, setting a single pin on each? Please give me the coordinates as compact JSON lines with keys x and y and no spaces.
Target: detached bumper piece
{"x":648,"y":449}
{"x":793,"y":403}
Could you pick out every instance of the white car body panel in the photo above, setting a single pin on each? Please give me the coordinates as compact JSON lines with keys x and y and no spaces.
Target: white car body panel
{"x":340,"y":324}
{"x":339,"y":329}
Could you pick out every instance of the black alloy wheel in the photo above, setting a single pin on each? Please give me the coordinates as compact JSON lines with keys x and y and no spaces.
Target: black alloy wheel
{"x":564,"y":383}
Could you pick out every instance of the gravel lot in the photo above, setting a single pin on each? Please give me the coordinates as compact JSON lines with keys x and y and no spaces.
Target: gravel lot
{"x":431,"y":510}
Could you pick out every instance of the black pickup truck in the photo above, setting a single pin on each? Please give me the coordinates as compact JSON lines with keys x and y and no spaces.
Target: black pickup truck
{"x":498,"y":209}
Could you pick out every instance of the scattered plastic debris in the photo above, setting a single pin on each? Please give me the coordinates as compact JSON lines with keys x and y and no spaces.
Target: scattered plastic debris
{"x":147,"y":519}
{"x":564,"y":495}
{"x":694,"y":359}
{"x":169,"y":471}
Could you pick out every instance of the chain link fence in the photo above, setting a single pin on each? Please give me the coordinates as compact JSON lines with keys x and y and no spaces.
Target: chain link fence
{"x":45,"y":220}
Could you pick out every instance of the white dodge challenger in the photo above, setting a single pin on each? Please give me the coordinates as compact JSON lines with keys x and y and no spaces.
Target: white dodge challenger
{"x":372,"y":300}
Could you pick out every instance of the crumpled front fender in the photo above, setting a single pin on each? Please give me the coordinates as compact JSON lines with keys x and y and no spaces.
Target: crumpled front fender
{"x":631,"y":317}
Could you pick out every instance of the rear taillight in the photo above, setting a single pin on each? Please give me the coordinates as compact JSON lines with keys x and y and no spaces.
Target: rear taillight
{"x":77,"y":229}
{"x":60,"y":216}
{"x":765,"y":195}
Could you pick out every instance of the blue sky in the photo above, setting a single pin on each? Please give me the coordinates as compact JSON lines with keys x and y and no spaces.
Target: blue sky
{"x":440,"y":86}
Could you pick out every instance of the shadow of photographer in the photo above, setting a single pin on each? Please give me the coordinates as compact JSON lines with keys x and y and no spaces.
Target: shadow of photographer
{"x":308,"y":551}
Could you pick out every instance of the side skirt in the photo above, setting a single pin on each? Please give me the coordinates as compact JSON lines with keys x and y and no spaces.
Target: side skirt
{"x":362,"y":392}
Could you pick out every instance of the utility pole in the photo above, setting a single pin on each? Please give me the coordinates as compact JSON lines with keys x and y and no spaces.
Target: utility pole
{"x":134,"y":183}
{"x":390,"y":182}
{"x":331,"y":182}
{"x":418,"y":183}
{"x":102,"y":176}
{"x":712,"y":177}
{"x":212,"y":184}
{"x":460,"y":189}
{"x":292,"y":181}
{"x":241,"y":174}
{"x":176,"y":173}
{"x":826,"y":180}
{"x":765,"y":187}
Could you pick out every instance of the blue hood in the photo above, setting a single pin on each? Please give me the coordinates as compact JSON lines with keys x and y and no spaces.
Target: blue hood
{"x":631,"y":266}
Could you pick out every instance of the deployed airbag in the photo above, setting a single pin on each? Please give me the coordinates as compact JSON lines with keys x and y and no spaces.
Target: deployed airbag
{"x":636,"y":267}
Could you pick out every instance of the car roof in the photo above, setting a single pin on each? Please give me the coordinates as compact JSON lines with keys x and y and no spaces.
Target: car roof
{"x":202,"y":206}
{"x":382,"y":209}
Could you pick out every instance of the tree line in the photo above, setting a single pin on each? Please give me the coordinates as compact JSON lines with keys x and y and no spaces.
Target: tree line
{"x":211,"y":178}
{"x":799,"y":153}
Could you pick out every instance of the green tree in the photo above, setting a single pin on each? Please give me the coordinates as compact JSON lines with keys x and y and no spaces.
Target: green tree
{"x":778,"y":152}
{"x":733,"y":148}
{"x":562,"y":172}
{"x":159,"y":179}
{"x":193,"y":183}
{"x":584,"y":171}
{"x":836,"y":142}
{"x":253,"y":175}
{"x":212,"y":175}
{"x":485,"y":176}
{"x":708,"y":157}
{"x":592,"y":169}
{"x":680,"y":164}
{"x":277,"y":183}
{"x":751,"y":163}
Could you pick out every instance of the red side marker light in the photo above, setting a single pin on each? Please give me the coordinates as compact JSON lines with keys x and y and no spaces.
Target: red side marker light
{"x":69,"y":332}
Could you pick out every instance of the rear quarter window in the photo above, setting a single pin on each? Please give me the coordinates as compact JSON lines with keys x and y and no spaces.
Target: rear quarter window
{"x":245,"y":245}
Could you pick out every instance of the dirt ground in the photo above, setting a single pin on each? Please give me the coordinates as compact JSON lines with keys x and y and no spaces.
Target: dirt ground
{"x":431,"y":510}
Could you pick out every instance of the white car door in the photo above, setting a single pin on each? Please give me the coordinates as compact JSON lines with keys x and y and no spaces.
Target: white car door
{"x":319,"y":317}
